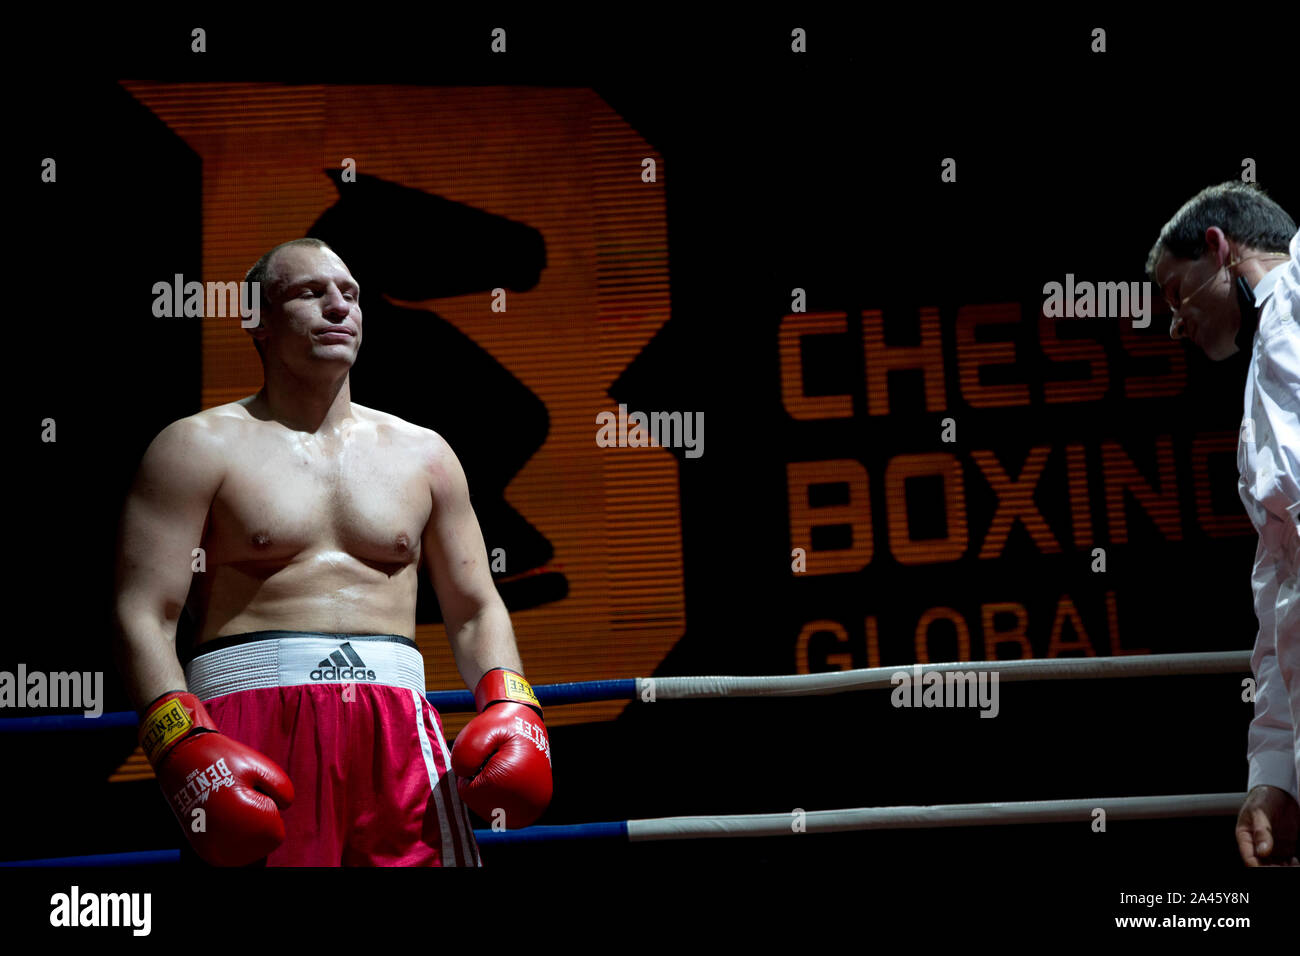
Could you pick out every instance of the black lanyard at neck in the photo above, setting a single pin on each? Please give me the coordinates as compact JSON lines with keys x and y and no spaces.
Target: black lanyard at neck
{"x":1249,"y":315}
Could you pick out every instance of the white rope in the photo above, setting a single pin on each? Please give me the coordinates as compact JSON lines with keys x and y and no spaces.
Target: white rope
{"x":951,"y":815}
{"x":875,"y":678}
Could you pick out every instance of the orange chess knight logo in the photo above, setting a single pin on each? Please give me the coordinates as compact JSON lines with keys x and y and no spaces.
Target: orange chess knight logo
{"x":503,"y":306}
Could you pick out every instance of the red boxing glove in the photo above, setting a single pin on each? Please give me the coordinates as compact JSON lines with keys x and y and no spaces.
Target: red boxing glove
{"x":238,"y":789}
{"x":503,"y":756}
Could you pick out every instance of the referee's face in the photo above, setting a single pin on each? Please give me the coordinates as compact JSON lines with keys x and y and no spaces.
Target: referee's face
{"x":1200,"y":293}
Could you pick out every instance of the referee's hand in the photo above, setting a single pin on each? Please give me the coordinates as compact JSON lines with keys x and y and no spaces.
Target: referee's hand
{"x":1267,"y":827}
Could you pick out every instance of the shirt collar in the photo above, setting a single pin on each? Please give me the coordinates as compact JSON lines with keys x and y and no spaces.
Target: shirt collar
{"x":1266,"y":284}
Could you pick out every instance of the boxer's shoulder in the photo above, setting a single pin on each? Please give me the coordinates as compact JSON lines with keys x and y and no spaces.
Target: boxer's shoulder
{"x":214,"y":430}
{"x":192,"y":434}
{"x":219,"y":419}
{"x":426,"y":448}
{"x":188,"y":453}
{"x":416,"y":437}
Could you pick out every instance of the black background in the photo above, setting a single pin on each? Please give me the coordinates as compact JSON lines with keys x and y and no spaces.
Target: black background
{"x":820,"y":172}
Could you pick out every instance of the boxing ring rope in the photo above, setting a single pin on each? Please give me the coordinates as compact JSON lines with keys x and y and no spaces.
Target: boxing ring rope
{"x":882,"y":818}
{"x":781,"y":824}
{"x":792,"y":685}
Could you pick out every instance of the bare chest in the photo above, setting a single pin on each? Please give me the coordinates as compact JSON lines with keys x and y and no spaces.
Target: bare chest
{"x":288,"y":495}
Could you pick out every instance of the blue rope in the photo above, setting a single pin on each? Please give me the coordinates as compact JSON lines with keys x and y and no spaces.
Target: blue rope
{"x":66,"y":722}
{"x":579,"y":831}
{"x":445,"y":701}
{"x":142,"y":858}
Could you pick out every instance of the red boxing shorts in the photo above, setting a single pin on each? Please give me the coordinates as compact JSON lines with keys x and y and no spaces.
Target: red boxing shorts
{"x":346,"y":717}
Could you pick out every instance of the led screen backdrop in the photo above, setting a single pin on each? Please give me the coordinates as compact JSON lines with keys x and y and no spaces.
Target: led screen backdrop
{"x":896,"y":471}
{"x":1030,"y":488}
{"x":906,"y":459}
{"x":462,"y":191}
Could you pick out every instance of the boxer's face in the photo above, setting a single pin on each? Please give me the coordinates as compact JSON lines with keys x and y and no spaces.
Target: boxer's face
{"x":1201,"y":293}
{"x":315,"y":314}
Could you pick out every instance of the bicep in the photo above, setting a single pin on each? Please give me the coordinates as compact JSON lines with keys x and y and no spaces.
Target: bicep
{"x":453,"y":542}
{"x":162,"y":521}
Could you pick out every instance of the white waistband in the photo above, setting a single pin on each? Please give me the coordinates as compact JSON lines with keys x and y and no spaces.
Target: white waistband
{"x":306,"y":659}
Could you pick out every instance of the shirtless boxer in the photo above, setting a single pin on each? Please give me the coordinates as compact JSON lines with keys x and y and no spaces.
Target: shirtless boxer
{"x":299,"y":732}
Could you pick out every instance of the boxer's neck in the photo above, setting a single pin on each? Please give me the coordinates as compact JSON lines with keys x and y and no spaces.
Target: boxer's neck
{"x":316,"y":407}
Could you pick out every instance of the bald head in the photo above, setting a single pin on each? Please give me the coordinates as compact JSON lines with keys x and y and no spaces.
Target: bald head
{"x":304,"y":288}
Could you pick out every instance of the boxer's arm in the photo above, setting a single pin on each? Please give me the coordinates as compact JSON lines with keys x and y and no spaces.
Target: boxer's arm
{"x":478,"y":624}
{"x":162,"y":522}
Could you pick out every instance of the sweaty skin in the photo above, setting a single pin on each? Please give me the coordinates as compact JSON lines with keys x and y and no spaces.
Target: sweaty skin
{"x":321,"y":531}
{"x":313,"y":512}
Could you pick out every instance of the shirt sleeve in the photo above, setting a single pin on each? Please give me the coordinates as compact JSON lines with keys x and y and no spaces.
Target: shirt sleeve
{"x":1270,"y":745}
{"x":1271,"y":748}
{"x":1277,"y":483}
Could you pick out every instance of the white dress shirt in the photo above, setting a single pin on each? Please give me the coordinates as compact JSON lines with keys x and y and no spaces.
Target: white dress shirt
{"x":1268,"y":459}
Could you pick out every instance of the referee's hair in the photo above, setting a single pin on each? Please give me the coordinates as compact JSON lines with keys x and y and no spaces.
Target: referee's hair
{"x":1245,"y":214}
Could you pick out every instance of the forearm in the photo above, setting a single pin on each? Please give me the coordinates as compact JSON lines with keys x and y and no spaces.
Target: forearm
{"x":483,"y":642}
{"x":1270,"y":741}
{"x":145,"y":651}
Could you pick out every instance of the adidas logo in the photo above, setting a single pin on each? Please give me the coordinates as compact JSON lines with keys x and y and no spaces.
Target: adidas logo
{"x":343,"y":664}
